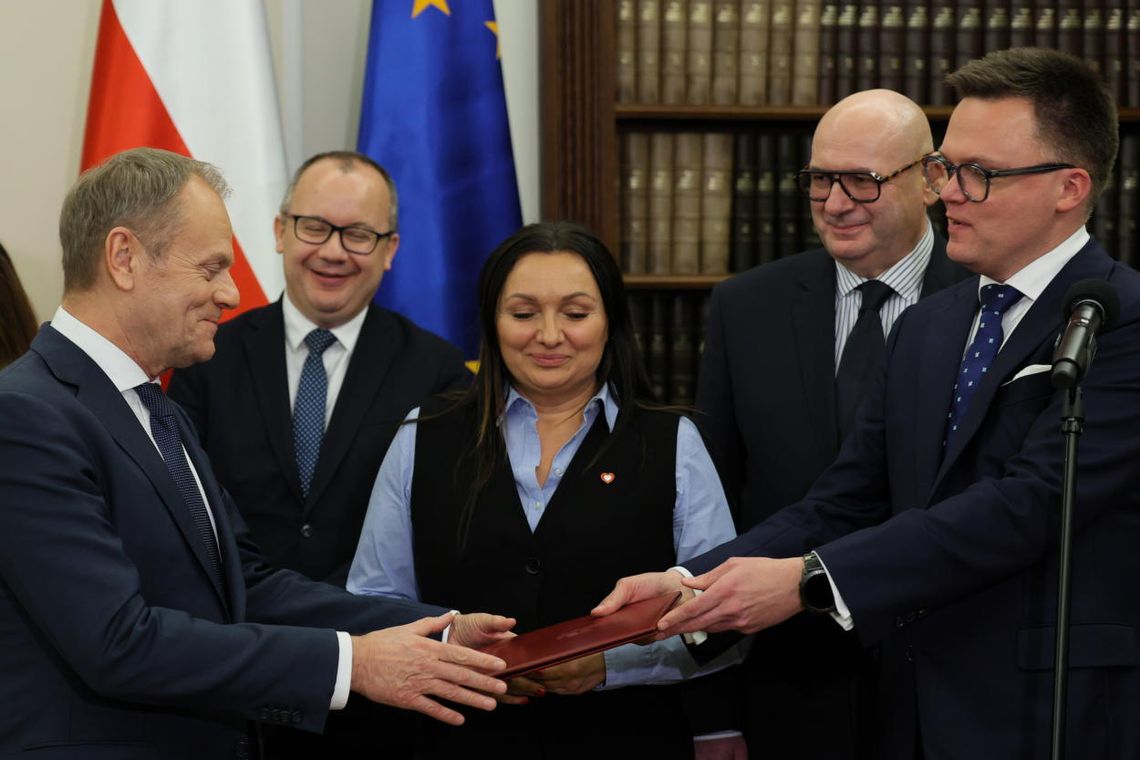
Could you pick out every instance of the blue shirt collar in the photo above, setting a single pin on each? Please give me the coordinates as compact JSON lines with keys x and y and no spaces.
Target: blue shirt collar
{"x":604,"y":399}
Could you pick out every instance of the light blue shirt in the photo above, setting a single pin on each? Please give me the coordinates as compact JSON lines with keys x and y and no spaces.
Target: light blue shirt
{"x":701,"y":520}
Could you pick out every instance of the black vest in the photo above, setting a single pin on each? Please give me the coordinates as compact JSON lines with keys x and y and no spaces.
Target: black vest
{"x":611,"y":516}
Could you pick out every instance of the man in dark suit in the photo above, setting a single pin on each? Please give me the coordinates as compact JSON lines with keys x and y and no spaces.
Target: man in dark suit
{"x":935,"y":531}
{"x":337,"y":236}
{"x":137,"y":618}
{"x":771,"y":415}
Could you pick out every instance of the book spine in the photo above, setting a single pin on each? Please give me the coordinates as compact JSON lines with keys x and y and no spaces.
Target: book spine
{"x":780,"y":53}
{"x":788,"y":198}
{"x":847,"y":50}
{"x":1092,"y":40}
{"x":805,"y":54}
{"x":649,"y":51}
{"x":1021,"y":23}
{"x":996,"y":25}
{"x":969,"y":41}
{"x":716,"y":202}
{"x":892,"y":45}
{"x":687,"y":172}
{"x":744,"y":207}
{"x":754,"y":23}
{"x":660,"y":251}
{"x":635,"y":201}
{"x":1102,"y":225}
{"x":682,"y":353}
{"x":943,"y":31}
{"x":673,"y":54}
{"x":767,"y":224}
{"x":1070,"y":27}
{"x":626,"y":51}
{"x":698,"y":59}
{"x":1044,"y":24}
{"x":868,"y":45}
{"x":657,"y":358}
{"x":809,"y":237}
{"x":1127,"y":197}
{"x":726,"y":51}
{"x":1115,"y":57}
{"x":916,"y":65}
{"x":638,"y":322}
{"x":828,"y":49}
{"x":1132,"y":48}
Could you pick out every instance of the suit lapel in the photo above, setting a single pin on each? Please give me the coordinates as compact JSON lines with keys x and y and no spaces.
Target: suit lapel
{"x":375,"y":353}
{"x":941,"y":272}
{"x":813,"y":324}
{"x":264,"y":341}
{"x":95,"y":391}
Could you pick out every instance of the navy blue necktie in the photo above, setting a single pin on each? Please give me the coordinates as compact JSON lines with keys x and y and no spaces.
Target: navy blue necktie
{"x":862,"y":353}
{"x":995,"y":300}
{"x":309,"y":407}
{"x":164,"y":428}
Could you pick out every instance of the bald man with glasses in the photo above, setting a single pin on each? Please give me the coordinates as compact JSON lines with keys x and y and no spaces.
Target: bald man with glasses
{"x":303,"y":396}
{"x":777,"y":405}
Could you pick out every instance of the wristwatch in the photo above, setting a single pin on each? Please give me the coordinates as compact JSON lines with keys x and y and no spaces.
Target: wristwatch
{"x":815,"y":588}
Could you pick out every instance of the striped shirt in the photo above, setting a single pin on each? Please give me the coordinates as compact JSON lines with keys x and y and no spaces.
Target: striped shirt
{"x":904,"y":278}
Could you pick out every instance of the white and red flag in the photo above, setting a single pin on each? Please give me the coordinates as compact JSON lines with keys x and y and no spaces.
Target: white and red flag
{"x":196,"y":78}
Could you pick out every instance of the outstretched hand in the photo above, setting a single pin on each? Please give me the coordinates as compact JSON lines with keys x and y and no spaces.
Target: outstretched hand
{"x":634,"y":588}
{"x":402,"y":667}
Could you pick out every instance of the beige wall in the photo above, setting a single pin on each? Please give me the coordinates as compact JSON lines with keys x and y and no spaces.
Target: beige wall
{"x":46,"y":53}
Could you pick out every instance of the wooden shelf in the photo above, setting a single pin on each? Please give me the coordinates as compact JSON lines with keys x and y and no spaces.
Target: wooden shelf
{"x":627,"y":112}
{"x":673,"y":281}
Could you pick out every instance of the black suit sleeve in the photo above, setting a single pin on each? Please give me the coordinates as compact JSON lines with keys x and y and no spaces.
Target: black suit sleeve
{"x":717,"y":413}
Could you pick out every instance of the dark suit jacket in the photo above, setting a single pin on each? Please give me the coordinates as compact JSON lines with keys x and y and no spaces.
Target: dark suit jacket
{"x":239,"y":401}
{"x":115,"y":640}
{"x":949,"y":557}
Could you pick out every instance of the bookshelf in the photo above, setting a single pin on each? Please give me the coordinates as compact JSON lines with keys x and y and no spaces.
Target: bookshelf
{"x":594,"y":115}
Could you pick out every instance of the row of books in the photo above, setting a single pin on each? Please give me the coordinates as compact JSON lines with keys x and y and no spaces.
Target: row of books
{"x":814,"y":52}
{"x":670,"y":331}
{"x":1114,"y":220}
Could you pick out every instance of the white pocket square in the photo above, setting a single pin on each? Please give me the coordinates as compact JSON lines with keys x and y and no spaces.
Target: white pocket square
{"x":1031,"y":369}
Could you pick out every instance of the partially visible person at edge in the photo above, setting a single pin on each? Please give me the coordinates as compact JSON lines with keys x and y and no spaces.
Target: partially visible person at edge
{"x":17,"y":319}
{"x":532,"y":493}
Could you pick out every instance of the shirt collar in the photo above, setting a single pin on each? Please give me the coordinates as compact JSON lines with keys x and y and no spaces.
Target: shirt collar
{"x":297,"y":326}
{"x":123,"y":371}
{"x":904,"y":276}
{"x":516,"y":403}
{"x":1032,"y":279}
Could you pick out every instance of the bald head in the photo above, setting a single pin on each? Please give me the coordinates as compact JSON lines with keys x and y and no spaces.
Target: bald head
{"x":877,"y":131}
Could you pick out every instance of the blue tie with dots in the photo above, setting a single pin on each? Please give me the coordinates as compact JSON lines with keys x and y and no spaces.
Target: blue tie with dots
{"x":309,"y":407}
{"x":995,"y":300}
{"x":164,"y":428}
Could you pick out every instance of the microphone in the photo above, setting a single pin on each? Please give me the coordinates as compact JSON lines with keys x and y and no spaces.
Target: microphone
{"x":1089,"y":305}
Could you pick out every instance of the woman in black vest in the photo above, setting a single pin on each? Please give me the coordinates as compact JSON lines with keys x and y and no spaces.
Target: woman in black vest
{"x":530,"y":495}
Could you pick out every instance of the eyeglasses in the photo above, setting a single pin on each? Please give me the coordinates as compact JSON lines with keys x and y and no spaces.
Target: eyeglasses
{"x":859,"y":186}
{"x":355,"y":239}
{"x":974,"y":179}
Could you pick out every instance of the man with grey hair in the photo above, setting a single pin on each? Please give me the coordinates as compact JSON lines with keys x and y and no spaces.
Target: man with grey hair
{"x":138,"y":618}
{"x":300,"y":475}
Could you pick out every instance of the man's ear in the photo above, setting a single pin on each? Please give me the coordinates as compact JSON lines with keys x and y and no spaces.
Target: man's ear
{"x":122,"y":256}
{"x":392,"y":244}
{"x":1074,"y":190}
{"x":279,"y":233}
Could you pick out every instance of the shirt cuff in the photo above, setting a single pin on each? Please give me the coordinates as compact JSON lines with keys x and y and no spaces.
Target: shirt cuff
{"x":717,"y":735}
{"x":343,"y":672}
{"x":447,"y":631}
{"x":842,"y":613}
{"x":696,"y":638}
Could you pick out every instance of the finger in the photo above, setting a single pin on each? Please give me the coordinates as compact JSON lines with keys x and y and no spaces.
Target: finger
{"x":679,"y":616}
{"x":433,"y":709}
{"x":469,"y":658}
{"x":701,"y":582}
{"x":453,"y":693}
{"x":466,"y":677}
{"x":614,"y":601}
{"x":511,"y":699}
{"x":522,"y":686}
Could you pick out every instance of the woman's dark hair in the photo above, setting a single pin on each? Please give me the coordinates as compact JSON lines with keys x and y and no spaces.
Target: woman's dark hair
{"x":17,"y":320}
{"x":621,"y":364}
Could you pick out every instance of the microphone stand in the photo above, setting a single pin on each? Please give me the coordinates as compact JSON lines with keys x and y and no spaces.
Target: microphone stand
{"x":1072,"y":424}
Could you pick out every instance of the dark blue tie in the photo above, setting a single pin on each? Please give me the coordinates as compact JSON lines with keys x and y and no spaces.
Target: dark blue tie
{"x":995,"y":300}
{"x":309,"y":407}
{"x":164,"y":428}
{"x":862,"y":353}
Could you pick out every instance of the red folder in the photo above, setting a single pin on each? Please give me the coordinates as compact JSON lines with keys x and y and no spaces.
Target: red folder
{"x":581,"y":636}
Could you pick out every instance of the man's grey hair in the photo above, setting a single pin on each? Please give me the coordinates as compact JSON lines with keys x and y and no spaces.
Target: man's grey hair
{"x":347,"y":160}
{"x":136,"y":189}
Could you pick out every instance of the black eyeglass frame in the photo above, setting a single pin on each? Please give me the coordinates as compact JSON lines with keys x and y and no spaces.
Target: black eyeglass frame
{"x":987,"y":174}
{"x":837,"y":176}
{"x":339,"y":231}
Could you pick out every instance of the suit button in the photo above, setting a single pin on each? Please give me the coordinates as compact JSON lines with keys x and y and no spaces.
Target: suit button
{"x":307,"y":531}
{"x":533,"y":565}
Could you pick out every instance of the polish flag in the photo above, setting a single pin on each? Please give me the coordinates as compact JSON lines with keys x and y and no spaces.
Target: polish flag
{"x":196,"y":78}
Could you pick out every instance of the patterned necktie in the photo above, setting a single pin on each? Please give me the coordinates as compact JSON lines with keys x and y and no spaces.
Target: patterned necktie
{"x":995,"y":300}
{"x":309,"y":408}
{"x":164,"y":428}
{"x":864,"y":350}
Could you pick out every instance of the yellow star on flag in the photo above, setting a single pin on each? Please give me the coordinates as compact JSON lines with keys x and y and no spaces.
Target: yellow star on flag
{"x":419,"y":6}
{"x":494,"y":27}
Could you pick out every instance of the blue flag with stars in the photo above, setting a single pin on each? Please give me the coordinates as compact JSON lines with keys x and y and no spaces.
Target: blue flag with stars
{"x":435,"y":116}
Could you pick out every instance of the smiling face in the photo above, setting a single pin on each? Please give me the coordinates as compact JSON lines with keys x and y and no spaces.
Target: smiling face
{"x":878,"y":131}
{"x":328,"y":284}
{"x":178,"y":299}
{"x":552,"y":328}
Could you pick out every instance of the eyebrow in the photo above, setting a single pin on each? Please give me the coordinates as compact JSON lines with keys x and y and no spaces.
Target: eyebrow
{"x":568,"y":297}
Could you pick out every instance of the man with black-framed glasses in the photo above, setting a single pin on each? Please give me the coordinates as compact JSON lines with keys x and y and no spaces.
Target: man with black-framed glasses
{"x":934,"y":534}
{"x":775,"y":418}
{"x":303,"y":397}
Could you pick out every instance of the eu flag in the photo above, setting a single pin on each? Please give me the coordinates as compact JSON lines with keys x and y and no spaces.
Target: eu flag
{"x":435,"y":116}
